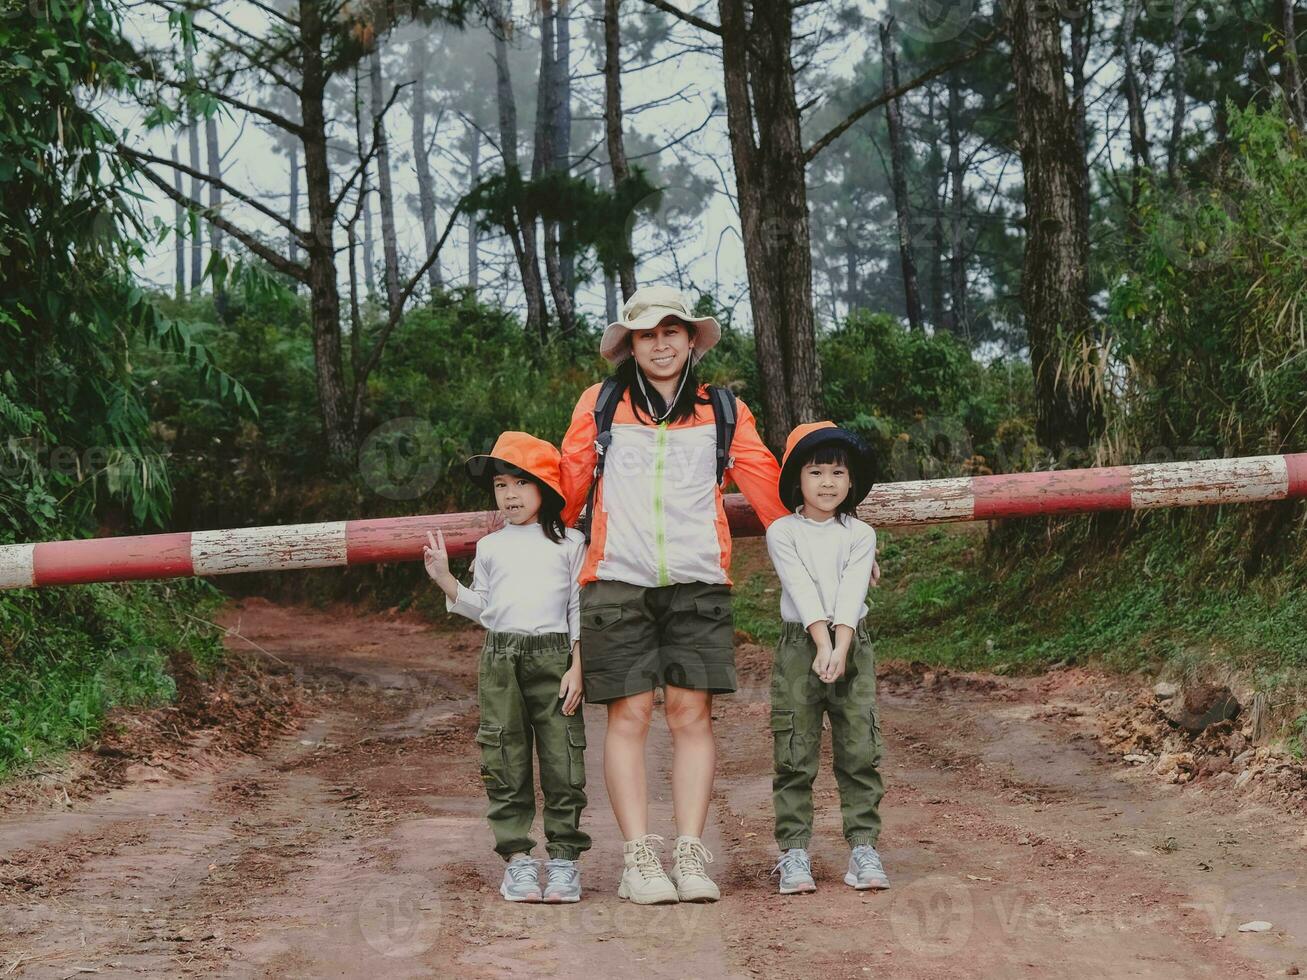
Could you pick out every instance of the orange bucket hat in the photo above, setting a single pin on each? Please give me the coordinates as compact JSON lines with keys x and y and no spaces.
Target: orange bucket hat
{"x":516,"y":453}
{"x":803,"y":441}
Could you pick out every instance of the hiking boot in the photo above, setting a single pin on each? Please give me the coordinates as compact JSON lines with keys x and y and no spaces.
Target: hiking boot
{"x":564,"y":881}
{"x":795,"y":868}
{"x":865,"y":870}
{"x":643,"y":880}
{"x":688,"y":873}
{"x":521,"y":880}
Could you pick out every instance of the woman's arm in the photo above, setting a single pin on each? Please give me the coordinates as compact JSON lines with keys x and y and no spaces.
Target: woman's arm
{"x":756,"y":471}
{"x":578,"y":448}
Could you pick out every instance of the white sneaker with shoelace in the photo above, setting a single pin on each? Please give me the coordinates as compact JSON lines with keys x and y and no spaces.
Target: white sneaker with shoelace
{"x":521,"y":880}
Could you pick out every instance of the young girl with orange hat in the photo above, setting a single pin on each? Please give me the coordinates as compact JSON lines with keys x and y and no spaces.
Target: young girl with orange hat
{"x":524,"y":591}
{"x":824,"y":663}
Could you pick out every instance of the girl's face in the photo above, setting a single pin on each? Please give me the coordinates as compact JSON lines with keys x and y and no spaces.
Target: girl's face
{"x":518,"y":499}
{"x":661,"y":351}
{"x":824,"y":487}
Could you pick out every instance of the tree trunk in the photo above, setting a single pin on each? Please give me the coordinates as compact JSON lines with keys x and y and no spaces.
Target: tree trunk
{"x":1291,"y":73}
{"x":610,"y":296}
{"x":545,"y":158}
{"x":936,"y":179}
{"x":562,"y":141}
{"x":294,"y":250}
{"x":215,"y":206}
{"x":197,"y":236}
{"x":389,"y":240}
{"x":179,"y":230}
{"x":772,"y":195}
{"x":613,"y":131}
{"x":426,"y":189}
{"x":1054,"y":285}
{"x":1082,"y":28}
{"x":338,"y":425}
{"x":474,"y":176}
{"x":521,"y":231}
{"x":1177,"y":90}
{"x":369,"y":264}
{"x":898,"y":180}
{"x":1140,"y":154}
{"x":958,"y":323}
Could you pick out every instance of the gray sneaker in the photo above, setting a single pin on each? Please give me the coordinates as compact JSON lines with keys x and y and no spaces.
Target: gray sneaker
{"x":521,"y":881}
{"x":564,"y":884}
{"x":795,"y":868}
{"x":865,"y":870}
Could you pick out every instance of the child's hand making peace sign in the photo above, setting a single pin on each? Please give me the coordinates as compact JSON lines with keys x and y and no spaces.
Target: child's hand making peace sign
{"x":435,"y":557}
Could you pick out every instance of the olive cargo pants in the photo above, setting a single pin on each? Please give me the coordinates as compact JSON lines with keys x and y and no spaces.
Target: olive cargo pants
{"x":798,"y":700}
{"x":518,"y":693}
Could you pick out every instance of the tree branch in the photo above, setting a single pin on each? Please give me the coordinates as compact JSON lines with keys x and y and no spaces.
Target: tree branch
{"x":286,"y":223}
{"x":689,"y":18}
{"x":376,"y":135}
{"x":276,"y":118}
{"x":837,"y":131}
{"x":272,"y":257}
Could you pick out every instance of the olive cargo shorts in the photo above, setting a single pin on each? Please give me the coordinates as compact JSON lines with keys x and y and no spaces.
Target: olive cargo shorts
{"x":518,"y":692}
{"x":636,"y":638}
{"x":798,"y":699}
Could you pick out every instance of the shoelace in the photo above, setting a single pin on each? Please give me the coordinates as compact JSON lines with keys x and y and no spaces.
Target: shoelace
{"x":867,"y":859}
{"x":562,"y":872}
{"x":646,"y":858}
{"x":522,"y":872}
{"x":691,"y":855}
{"x":793,"y":862}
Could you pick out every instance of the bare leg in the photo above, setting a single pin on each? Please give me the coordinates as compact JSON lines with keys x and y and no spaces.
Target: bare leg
{"x":694,"y":757}
{"x":628,"y":728}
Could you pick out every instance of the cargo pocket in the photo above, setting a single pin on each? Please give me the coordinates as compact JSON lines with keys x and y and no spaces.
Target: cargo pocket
{"x":877,"y":743}
{"x":601,"y":617}
{"x":713,"y":607}
{"x":494,"y":763}
{"x":782,"y":732}
{"x":576,"y":755}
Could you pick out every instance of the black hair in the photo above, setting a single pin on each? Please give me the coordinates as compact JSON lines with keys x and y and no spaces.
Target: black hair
{"x":627,"y":373}
{"x":551,"y":505}
{"x":832,"y":453}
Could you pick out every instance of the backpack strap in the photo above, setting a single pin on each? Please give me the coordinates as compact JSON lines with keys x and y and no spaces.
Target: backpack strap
{"x":604,"y":411}
{"x":723,"y":409}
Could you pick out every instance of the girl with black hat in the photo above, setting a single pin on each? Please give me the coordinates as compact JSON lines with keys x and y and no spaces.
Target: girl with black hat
{"x":824,"y":663}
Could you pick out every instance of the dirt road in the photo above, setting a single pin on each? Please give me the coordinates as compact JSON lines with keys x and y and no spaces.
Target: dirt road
{"x":356,"y":847}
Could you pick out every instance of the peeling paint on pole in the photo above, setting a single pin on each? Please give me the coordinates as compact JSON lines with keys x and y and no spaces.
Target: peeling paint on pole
{"x":1250,"y":479}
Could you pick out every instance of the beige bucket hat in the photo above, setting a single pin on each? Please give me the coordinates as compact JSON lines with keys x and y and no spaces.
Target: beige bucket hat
{"x":648,"y":307}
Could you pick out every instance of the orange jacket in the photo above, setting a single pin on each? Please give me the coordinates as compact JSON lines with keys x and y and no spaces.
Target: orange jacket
{"x":658,"y":515}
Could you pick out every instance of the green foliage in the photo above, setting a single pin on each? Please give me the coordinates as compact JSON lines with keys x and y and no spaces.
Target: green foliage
{"x":1155,"y":605}
{"x":598,"y":219}
{"x":67,"y":656}
{"x":1208,"y":315}
{"x":922,"y":401}
{"x":73,"y":425}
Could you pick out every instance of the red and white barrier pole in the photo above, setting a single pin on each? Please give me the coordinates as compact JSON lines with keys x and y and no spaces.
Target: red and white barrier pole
{"x":1249,"y":479}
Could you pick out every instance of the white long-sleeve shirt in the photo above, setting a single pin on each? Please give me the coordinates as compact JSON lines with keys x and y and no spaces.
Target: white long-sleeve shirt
{"x":824,"y":568}
{"x":524,"y":583}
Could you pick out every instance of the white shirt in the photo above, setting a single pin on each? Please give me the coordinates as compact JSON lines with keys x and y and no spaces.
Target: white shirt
{"x":524,"y":583}
{"x":824,"y":567}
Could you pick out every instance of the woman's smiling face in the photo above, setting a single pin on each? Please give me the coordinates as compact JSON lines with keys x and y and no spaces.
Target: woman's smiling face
{"x":661,"y":351}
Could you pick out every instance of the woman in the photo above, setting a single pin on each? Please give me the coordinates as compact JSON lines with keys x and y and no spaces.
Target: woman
{"x":655,"y":593}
